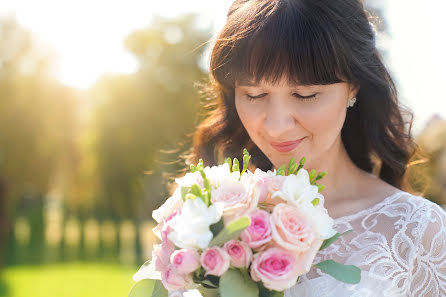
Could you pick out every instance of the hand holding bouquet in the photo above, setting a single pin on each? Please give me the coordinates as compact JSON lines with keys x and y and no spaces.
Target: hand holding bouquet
{"x":240,"y":233}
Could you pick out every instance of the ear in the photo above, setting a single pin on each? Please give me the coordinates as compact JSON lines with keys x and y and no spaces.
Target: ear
{"x":354,"y":89}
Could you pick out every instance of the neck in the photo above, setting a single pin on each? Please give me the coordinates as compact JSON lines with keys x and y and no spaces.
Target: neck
{"x":342,"y":175}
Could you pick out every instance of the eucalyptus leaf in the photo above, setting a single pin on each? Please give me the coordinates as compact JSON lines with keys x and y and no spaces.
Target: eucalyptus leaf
{"x":217,"y":227}
{"x":148,"y":288}
{"x":345,"y":273}
{"x":147,"y":271}
{"x":233,"y":284}
{"x":332,"y":239}
{"x":231,"y":231}
{"x":264,"y":292}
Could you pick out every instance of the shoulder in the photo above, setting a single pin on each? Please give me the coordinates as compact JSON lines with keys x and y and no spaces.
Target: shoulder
{"x":427,"y":217}
{"x":418,"y":204}
{"x":405,"y":209}
{"x":428,"y":260}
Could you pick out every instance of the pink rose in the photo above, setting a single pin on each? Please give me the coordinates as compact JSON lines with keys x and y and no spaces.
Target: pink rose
{"x":291,"y":229}
{"x":215,"y":261}
{"x":185,"y":260}
{"x":162,"y":252}
{"x":164,"y":222}
{"x":267,"y":183}
{"x":239,"y":252}
{"x":173,"y":280}
{"x":259,"y":232}
{"x":236,"y":197}
{"x":305,"y":259}
{"x":276,"y":268}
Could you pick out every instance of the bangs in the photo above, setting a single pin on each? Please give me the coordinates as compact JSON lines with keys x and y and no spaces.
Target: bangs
{"x":280,"y":40}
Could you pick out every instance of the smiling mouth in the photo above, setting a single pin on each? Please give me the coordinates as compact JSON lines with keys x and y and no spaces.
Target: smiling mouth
{"x":286,"y":146}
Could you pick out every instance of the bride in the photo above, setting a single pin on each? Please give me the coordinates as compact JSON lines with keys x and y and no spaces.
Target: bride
{"x":295,"y":78}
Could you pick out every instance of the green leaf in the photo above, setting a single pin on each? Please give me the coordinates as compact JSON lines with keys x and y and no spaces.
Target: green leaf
{"x":264,"y":292}
{"x":148,"y":288}
{"x":217,"y":227}
{"x":231,"y":231}
{"x":233,"y":284}
{"x":349,"y":274}
{"x":315,"y":201}
{"x":332,"y":239}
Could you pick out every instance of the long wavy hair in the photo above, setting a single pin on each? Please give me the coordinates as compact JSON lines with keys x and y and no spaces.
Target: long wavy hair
{"x":310,"y":42}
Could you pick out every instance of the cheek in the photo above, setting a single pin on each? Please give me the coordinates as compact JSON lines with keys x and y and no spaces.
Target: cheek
{"x":249,"y":114}
{"x":330,"y":119}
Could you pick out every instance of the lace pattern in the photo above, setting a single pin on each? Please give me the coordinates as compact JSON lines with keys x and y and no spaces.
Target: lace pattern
{"x":399,"y":244}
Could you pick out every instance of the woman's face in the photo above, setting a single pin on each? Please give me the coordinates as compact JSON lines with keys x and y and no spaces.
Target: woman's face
{"x":279,"y":117}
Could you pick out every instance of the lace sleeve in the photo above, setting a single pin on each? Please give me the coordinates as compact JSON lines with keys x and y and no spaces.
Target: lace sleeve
{"x":428,"y":275}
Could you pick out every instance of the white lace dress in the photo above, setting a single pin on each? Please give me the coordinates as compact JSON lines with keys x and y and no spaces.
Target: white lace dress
{"x":399,"y":244}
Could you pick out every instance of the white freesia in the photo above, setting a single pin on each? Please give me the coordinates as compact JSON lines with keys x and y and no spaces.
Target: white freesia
{"x":297,"y":189}
{"x":189,"y":179}
{"x":320,"y":220}
{"x":191,"y":226}
{"x":218,"y":174}
{"x":259,"y":172}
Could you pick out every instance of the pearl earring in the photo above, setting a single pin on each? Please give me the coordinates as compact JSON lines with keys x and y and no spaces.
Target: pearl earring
{"x":351,"y":102}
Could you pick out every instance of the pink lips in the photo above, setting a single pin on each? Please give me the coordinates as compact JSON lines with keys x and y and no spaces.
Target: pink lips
{"x":287,"y":146}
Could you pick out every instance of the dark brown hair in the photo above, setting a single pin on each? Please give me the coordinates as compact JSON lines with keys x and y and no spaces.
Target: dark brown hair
{"x":310,"y":42}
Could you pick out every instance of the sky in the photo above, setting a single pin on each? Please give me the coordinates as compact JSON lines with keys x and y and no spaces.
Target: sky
{"x":93,"y":31}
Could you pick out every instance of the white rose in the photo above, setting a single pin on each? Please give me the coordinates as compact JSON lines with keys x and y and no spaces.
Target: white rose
{"x":297,"y":189}
{"x":191,"y":226}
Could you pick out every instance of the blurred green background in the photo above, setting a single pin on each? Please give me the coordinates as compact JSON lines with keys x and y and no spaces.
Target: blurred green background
{"x":82,"y":170}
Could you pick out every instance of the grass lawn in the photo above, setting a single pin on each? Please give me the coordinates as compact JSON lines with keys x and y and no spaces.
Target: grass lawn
{"x":68,"y":280}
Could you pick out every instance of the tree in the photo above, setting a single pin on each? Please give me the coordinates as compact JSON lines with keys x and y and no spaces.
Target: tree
{"x":138,"y":115}
{"x":37,"y":121}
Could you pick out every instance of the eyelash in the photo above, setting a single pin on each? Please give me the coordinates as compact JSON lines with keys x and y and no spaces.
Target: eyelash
{"x":303,"y":98}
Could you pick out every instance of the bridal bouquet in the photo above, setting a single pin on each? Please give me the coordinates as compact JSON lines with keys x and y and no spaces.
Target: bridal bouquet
{"x":236,"y":233}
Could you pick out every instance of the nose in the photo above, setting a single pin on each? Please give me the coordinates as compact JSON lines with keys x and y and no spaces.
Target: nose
{"x":279,"y":120}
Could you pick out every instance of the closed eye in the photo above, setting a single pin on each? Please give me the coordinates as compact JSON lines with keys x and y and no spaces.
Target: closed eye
{"x":255,"y":97}
{"x":305,"y":97}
